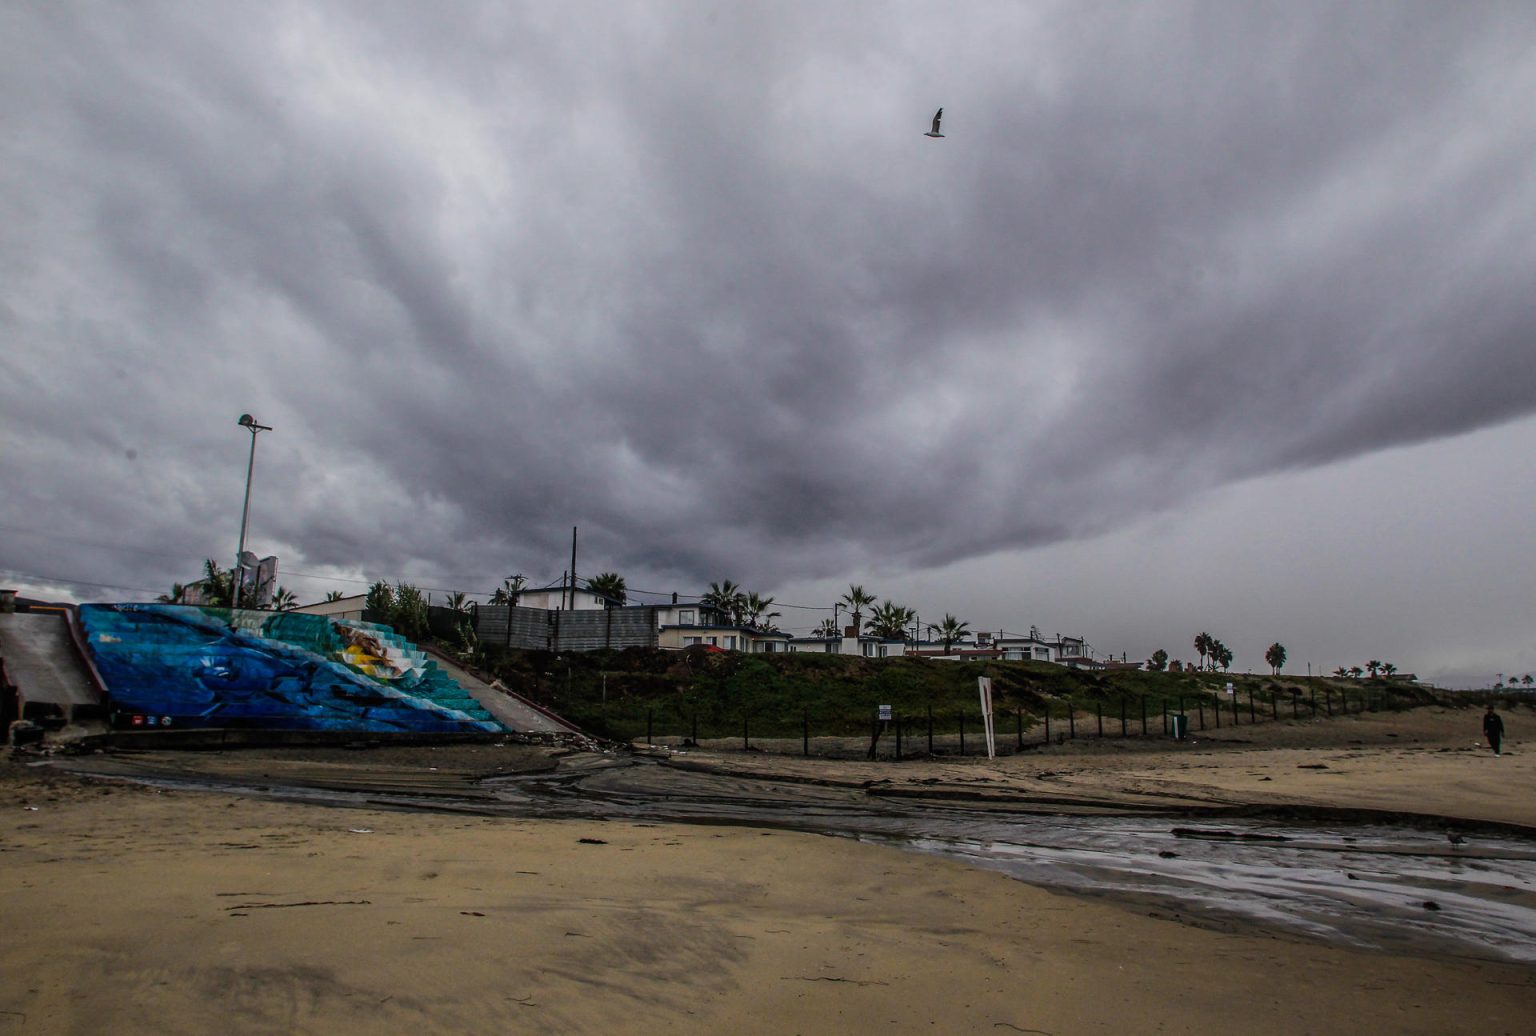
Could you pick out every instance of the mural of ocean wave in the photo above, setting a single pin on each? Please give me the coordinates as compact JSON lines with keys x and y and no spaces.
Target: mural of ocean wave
{"x":187,"y":666}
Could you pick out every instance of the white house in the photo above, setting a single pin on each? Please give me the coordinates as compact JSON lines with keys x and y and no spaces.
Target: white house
{"x":686,"y":625}
{"x":559,"y":598}
{"x":865,"y":645}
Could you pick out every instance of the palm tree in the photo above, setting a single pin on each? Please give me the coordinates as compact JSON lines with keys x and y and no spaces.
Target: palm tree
{"x":1387,"y":669}
{"x":507,"y":592}
{"x":1203,"y":645}
{"x":726,"y":598}
{"x":174,"y":597}
{"x":457,"y":601}
{"x":753,"y":607}
{"x":1221,"y":655}
{"x":827,"y":630}
{"x":283,"y":600}
{"x":1341,"y":672}
{"x":1275,"y":656}
{"x":610,"y":585}
{"x":1526,"y":679}
{"x":890,"y":621}
{"x":1159,"y":661}
{"x":1356,"y":671}
{"x":334,"y":595}
{"x":950,"y":630}
{"x":218,"y":584}
{"x":1372,"y":667}
{"x":857,"y":600}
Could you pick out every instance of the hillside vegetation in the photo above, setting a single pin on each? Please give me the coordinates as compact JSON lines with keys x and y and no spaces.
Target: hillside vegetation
{"x":715,"y":694}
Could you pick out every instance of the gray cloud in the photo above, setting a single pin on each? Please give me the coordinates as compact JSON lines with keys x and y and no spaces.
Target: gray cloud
{"x":689,"y":275}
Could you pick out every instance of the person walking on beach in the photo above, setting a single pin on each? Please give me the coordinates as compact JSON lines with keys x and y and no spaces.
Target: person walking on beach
{"x":1493,"y":729}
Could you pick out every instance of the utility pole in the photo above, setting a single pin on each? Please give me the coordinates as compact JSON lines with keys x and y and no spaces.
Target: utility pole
{"x":249,"y":424}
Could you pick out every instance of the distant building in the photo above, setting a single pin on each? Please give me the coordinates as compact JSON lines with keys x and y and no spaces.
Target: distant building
{"x":344,"y":608}
{"x":681,"y":626}
{"x":560,"y":598}
{"x":862,"y":645}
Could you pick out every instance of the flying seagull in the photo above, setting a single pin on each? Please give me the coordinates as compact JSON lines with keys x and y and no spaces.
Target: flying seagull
{"x":935,"y":131}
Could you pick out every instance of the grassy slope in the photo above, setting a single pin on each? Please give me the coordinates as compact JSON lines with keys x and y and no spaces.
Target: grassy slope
{"x":618,"y":692}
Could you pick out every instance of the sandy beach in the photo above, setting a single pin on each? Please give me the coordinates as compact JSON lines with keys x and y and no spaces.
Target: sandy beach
{"x":132,"y":909}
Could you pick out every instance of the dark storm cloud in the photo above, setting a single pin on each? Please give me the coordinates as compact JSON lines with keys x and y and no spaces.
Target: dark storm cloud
{"x":690,"y":276}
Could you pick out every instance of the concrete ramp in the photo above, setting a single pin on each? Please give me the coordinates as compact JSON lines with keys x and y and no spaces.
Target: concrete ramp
{"x":42,"y":661}
{"x":513,"y":711}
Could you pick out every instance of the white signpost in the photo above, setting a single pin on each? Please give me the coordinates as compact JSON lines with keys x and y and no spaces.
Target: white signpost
{"x":984,"y":686}
{"x":885,"y":714}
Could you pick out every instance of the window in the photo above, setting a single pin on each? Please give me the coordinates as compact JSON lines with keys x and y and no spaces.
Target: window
{"x":686,"y":617}
{"x":730,"y":643}
{"x":690,"y":641}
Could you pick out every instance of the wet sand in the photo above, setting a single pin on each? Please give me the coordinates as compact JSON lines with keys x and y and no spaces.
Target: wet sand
{"x":131,"y":909}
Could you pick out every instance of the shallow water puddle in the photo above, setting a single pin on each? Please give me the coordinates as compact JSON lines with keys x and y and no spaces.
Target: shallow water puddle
{"x":1381,"y":886}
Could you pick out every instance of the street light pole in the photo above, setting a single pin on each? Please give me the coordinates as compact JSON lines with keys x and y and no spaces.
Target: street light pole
{"x":249,"y":424}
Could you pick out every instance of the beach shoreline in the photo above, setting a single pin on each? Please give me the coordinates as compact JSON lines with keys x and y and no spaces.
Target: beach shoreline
{"x":159,"y":909}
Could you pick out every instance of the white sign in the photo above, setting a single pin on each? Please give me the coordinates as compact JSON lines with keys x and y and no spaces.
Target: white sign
{"x":885,"y":714}
{"x":1229,"y":688}
{"x":984,"y":686}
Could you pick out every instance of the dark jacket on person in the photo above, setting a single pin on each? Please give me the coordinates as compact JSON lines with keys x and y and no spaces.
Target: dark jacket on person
{"x":1493,"y":725}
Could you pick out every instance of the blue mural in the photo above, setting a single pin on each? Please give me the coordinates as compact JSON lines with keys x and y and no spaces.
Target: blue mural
{"x":184,"y":666}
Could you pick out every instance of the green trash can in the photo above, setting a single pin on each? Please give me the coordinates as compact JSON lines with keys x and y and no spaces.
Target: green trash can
{"x":1178,"y":723}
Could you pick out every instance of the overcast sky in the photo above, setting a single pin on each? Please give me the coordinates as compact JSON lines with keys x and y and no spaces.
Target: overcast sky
{"x":1200,"y":316}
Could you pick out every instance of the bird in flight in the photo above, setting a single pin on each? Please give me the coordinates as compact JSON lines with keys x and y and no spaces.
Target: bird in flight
{"x":935,"y":131}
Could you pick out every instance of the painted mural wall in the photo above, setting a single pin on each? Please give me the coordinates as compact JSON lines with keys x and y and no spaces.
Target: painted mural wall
{"x":186,"y":666}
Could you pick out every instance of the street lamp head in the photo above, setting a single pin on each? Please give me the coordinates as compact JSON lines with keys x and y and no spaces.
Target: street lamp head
{"x":247,"y":419}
